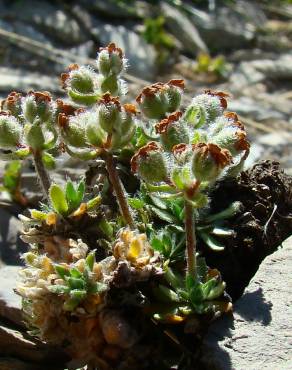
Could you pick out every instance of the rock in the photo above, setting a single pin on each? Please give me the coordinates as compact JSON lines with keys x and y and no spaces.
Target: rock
{"x":10,"y":303}
{"x":113,"y":8}
{"x":10,"y":244}
{"x":183,"y":30}
{"x":12,"y":363}
{"x":18,"y":345}
{"x":258,"y":336}
{"x":83,"y":50}
{"x":259,"y":111}
{"x":228,"y":28}
{"x":252,"y":72}
{"x":276,"y":139}
{"x":141,"y":56}
{"x":50,"y":19}
{"x":23,"y":80}
{"x":24,"y":29}
{"x":255,"y":154}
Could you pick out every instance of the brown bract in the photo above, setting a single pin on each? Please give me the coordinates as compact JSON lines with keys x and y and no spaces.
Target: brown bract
{"x":222,"y":157}
{"x":111,"y":48}
{"x":130,"y":108}
{"x":234,"y":119}
{"x":12,"y":99}
{"x":107,"y":99}
{"x":64,"y":76}
{"x":67,"y":109}
{"x":241,"y":143}
{"x":221,"y":95}
{"x":143,"y":153}
{"x":63,"y":120}
{"x":41,"y":96}
{"x":162,"y":126}
{"x":179,"y":148}
{"x":153,"y":89}
{"x":178,"y":83}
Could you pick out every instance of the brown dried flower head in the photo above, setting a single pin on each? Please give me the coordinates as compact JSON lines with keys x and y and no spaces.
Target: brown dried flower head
{"x":143,"y":153}
{"x":221,"y":95}
{"x":162,"y":126}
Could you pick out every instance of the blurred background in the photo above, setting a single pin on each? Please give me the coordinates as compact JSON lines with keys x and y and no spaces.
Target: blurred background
{"x":242,"y":47}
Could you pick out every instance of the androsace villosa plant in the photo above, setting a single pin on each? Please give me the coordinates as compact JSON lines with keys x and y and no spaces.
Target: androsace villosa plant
{"x":117,"y":281}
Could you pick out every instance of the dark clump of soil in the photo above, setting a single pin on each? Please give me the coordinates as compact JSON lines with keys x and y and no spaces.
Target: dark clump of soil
{"x":265,"y":222}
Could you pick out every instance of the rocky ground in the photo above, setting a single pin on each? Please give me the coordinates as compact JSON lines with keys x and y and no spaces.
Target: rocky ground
{"x":38,"y":39}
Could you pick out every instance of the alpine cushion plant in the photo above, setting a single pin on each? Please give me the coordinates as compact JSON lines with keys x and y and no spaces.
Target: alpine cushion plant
{"x":100,"y":271}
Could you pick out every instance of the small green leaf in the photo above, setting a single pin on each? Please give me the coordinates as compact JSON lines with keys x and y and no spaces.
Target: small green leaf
{"x":157,"y":245}
{"x":165,"y":294}
{"x":165,"y":216}
{"x":174,"y":279}
{"x":48,"y":160}
{"x":62,"y":271}
{"x":196,"y":294}
{"x":158,"y":202}
{"x":71,"y":193}
{"x":213,"y":289}
{"x":90,"y":259}
{"x":76,"y":283}
{"x":97,"y":288}
{"x":106,"y":228}
{"x":75,"y":273}
{"x":59,"y":289}
{"x":230,"y":211}
{"x":177,"y":179}
{"x":212,"y":243}
{"x":58,"y":199}
{"x":93,"y":203}
{"x":38,"y":215}
{"x":222,"y":231}
{"x":78,"y":294}
{"x":71,"y":304}
{"x":80,"y":191}
{"x":22,"y":153}
{"x":136,"y":203}
{"x":196,"y":138}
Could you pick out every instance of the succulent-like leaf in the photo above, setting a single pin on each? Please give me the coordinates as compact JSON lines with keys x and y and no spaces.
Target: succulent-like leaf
{"x":59,"y":289}
{"x":58,"y":199}
{"x":212,"y":243}
{"x":48,"y":160}
{"x":90,"y":260}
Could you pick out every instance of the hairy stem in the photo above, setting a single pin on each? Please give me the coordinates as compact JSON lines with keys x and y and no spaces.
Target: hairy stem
{"x":190,"y":239}
{"x":42,"y":173}
{"x":119,"y":190}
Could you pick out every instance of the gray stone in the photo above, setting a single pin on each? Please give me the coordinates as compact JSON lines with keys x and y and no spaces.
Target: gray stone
{"x":9,"y":363}
{"x":277,"y":138}
{"x":252,"y":72}
{"x":259,"y":111}
{"x":16,"y":344}
{"x":255,"y":154}
{"x":258,"y":337}
{"x":183,"y":30}
{"x":11,"y":245}
{"x":10,"y":303}
{"x":22,"y":80}
{"x":228,"y":28}
{"x":111,"y":8}
{"x":141,"y":56}
{"x":48,"y":18}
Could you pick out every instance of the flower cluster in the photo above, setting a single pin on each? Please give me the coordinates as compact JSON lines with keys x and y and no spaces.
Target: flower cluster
{"x":194,"y":148}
